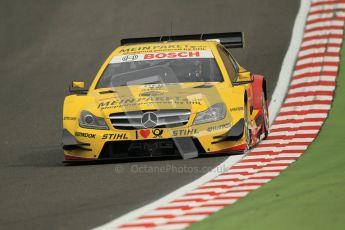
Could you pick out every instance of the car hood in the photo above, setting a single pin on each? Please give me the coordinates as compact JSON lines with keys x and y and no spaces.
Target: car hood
{"x":192,"y":96}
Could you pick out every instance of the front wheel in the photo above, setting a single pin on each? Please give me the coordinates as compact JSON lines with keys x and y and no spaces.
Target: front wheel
{"x":246,"y":129}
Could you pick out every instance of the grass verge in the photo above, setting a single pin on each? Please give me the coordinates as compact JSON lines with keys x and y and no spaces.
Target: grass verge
{"x":310,"y":194}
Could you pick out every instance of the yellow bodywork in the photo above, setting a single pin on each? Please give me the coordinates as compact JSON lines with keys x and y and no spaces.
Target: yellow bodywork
{"x":177,"y":96}
{"x":78,"y":84}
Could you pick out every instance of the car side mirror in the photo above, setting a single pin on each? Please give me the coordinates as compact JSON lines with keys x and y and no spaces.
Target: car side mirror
{"x":244,"y":77}
{"x":78,"y":87}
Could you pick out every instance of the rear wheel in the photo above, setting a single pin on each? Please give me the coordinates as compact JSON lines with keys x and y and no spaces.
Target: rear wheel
{"x":265,"y":114}
{"x":246,"y":128}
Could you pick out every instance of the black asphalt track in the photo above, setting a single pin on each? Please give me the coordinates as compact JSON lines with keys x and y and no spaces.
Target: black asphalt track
{"x":44,"y":45}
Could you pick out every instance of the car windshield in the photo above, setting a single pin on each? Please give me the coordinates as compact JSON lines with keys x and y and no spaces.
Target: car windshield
{"x":158,"y":68}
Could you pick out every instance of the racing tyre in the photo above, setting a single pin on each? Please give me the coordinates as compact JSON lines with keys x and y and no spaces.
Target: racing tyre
{"x":247,"y":131}
{"x":265,"y":116}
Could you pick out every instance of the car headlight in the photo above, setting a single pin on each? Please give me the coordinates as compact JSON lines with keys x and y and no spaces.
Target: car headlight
{"x":214,"y":113}
{"x":90,"y":121}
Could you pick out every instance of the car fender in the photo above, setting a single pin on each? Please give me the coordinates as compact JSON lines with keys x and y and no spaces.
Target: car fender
{"x":258,"y":87}
{"x":72,"y":106}
{"x":259,"y":90}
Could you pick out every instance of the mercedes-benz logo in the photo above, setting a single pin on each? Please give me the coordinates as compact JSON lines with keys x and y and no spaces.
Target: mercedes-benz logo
{"x":149,"y":120}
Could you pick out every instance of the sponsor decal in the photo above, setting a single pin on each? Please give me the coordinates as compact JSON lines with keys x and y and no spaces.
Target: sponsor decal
{"x":184,"y":132}
{"x":115,"y":136}
{"x":218,"y":127}
{"x":236,"y":109}
{"x":154,"y":55}
{"x":172,"y":55}
{"x":69,"y":118}
{"x":154,"y":86}
{"x":131,"y":57}
{"x":152,"y":90}
{"x":144,"y":133}
{"x":162,"y":48}
{"x":87,"y":135}
{"x":151,"y":93}
{"x":148,"y":100}
{"x":157,"y":133}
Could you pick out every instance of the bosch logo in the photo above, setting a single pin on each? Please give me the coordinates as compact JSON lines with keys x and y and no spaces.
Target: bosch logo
{"x":149,"y":120}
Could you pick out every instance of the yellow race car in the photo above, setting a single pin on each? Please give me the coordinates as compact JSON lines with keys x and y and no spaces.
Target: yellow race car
{"x":166,"y":96}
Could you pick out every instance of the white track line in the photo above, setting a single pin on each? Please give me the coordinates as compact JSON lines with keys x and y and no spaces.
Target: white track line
{"x":170,"y":197}
{"x":280,"y":90}
{"x":230,"y":194}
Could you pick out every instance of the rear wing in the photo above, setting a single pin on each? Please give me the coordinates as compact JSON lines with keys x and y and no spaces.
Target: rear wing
{"x":229,"y":40}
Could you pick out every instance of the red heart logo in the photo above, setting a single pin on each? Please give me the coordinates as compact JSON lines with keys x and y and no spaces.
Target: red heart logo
{"x":144,"y":133}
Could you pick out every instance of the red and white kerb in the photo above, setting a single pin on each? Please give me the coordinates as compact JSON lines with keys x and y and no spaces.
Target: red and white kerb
{"x":298,"y":123}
